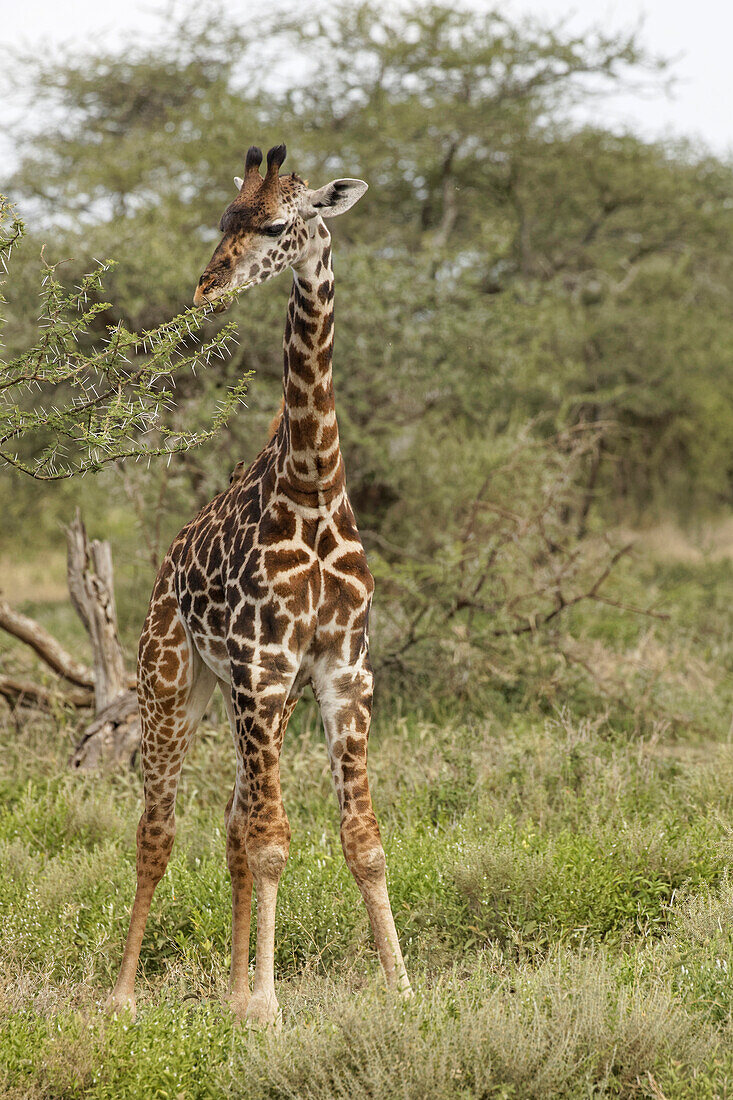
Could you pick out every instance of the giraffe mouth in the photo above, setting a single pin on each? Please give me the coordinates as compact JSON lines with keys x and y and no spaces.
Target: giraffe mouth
{"x":225,"y":298}
{"x":221,"y":304}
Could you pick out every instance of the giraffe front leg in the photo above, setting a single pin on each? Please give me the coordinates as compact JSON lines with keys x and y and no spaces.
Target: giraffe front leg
{"x":155,"y":834}
{"x":346,"y":701}
{"x":241,"y":876}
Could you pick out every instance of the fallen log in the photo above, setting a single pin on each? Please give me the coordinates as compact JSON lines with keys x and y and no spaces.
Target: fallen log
{"x":112,"y":738}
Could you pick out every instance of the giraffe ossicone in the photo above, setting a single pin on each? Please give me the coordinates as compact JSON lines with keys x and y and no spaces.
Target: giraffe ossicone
{"x":265,"y":591}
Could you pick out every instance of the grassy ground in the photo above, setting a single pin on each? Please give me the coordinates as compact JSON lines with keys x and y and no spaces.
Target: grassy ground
{"x":559,"y":872}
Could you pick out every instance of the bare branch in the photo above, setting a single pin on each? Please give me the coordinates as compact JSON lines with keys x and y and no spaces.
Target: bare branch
{"x":30,"y":632}
{"x":27,"y":693}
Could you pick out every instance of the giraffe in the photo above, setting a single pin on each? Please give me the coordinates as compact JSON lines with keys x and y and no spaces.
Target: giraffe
{"x":265,"y":591}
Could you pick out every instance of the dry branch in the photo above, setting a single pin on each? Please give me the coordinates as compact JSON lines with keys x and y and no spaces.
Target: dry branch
{"x":509,"y":568}
{"x":45,"y":645}
{"x":19,"y":692}
{"x":112,"y":738}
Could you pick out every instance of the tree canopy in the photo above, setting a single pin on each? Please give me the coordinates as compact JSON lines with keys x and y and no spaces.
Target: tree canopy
{"x":512,"y":272}
{"x":507,"y":264}
{"x":65,"y":410}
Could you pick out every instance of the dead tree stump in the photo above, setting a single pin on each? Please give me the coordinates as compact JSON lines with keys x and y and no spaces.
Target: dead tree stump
{"x":91,"y":586}
{"x":113,"y":736}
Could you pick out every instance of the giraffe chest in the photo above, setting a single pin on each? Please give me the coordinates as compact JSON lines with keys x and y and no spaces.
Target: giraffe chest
{"x":292,"y":590}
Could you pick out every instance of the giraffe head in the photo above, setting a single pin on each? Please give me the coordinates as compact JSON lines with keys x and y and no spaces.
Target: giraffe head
{"x":266,"y":228}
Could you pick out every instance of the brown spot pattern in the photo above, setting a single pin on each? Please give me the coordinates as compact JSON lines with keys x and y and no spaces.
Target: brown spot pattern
{"x":265,"y":590}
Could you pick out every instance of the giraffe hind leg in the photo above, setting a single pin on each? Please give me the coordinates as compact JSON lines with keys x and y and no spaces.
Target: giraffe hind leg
{"x":174,"y":687}
{"x":237,"y":817}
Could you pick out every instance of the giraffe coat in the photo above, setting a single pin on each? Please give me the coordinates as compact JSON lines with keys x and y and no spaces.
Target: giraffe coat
{"x":265,"y":590}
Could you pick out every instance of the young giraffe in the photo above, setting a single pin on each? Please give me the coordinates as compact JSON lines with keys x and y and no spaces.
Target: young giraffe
{"x":266,"y":590}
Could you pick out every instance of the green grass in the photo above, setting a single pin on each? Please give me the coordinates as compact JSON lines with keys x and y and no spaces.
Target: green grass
{"x":559,"y":875}
{"x":562,"y":897}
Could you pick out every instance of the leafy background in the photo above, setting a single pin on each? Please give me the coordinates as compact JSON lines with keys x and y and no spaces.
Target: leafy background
{"x":535,"y":391}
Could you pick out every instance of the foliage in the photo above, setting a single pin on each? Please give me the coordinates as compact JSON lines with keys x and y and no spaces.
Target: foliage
{"x":109,"y":401}
{"x":506,"y":263}
{"x":516,"y":558}
{"x":512,"y":282}
{"x":560,"y":885}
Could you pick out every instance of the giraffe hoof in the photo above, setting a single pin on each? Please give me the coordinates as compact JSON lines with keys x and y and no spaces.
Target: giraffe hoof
{"x":118,"y":1004}
{"x":264,"y":1011}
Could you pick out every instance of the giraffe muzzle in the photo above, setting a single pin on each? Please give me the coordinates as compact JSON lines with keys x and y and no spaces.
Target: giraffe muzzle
{"x":216,"y":299}
{"x":215,"y":304}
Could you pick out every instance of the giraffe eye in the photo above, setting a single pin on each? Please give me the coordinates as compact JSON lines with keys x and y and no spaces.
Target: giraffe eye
{"x":274,"y":230}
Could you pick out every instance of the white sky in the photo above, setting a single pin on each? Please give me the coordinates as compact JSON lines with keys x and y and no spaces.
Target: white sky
{"x":697,"y":35}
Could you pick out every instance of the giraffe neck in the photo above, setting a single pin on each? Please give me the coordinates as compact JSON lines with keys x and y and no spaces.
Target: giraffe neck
{"x":311,"y":463}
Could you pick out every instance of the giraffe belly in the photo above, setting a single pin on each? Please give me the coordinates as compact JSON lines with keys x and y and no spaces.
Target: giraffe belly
{"x":313,"y":643}
{"x":274,"y":628}
{"x":213,"y":653}
{"x":287,"y":607}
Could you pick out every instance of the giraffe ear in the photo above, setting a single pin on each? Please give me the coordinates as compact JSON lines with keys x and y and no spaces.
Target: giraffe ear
{"x":238,"y":181}
{"x":335,"y":198}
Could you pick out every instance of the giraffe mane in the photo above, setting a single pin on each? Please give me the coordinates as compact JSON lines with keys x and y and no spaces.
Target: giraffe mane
{"x":275,"y":422}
